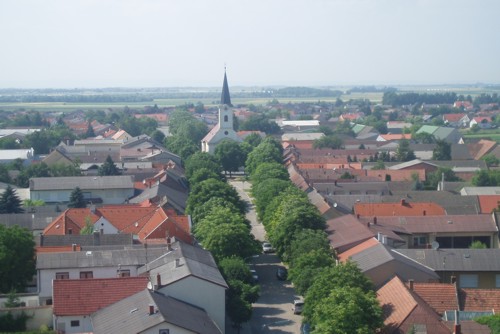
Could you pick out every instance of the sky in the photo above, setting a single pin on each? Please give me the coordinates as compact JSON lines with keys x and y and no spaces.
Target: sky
{"x":187,"y":43}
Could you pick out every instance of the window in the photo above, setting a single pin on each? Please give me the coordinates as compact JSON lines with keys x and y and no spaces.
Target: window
{"x":469,"y":281}
{"x":86,"y":274}
{"x":62,"y":275}
{"x":225,"y":118}
{"x":420,"y":241}
{"x":497,"y":281}
{"x":75,"y":323}
{"x":123,"y":273}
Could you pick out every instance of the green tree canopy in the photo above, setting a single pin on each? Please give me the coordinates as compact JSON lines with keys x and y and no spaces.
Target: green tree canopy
{"x":202,"y":160}
{"x":269,"y":170}
{"x":108,"y":168}
{"x":10,"y":202}
{"x":265,"y":192}
{"x":265,"y":152}
{"x":333,"y":142}
{"x":235,"y":268}
{"x":435,"y":177}
{"x":216,"y":217}
{"x":379,"y":165}
{"x":90,"y":131}
{"x":308,"y":240}
{"x":230,"y":155}
{"x":203,"y":209}
{"x":17,"y":258}
{"x":403,"y":152}
{"x":76,"y":199}
{"x":442,"y":151}
{"x":307,"y":266}
{"x":210,"y":188}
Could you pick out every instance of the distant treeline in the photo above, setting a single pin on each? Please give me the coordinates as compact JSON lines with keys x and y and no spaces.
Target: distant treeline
{"x":371,"y":89}
{"x":37,"y":96}
{"x":400,"y":99}
{"x":487,"y":98}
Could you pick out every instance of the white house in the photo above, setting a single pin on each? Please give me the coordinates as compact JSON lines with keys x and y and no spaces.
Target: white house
{"x":89,"y":264}
{"x":189,"y":273}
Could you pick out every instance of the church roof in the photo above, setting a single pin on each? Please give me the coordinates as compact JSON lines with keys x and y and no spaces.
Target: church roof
{"x":225,"y":97}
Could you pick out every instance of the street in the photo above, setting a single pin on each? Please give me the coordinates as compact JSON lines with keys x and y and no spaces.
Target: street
{"x":273,"y":311}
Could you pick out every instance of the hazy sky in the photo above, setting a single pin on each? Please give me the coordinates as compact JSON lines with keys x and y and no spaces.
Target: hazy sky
{"x":163,"y":43}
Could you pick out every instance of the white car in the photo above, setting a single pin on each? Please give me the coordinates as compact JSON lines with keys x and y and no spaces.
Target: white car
{"x":267,"y":247}
{"x":298,"y":306}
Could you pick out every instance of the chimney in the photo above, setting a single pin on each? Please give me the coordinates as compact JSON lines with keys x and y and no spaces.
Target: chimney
{"x":375,"y":220}
{"x":424,"y":213}
{"x":92,"y":208}
{"x":151,"y":309}
{"x":457,"y":329}
{"x":158,"y":279}
{"x":177,"y":263}
{"x":442,"y":181}
{"x":403,"y":201}
{"x":73,"y":247}
{"x":411,"y":284}
{"x":169,"y":244}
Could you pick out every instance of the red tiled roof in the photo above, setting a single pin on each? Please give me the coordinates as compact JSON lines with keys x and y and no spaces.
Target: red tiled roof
{"x":346,"y":231}
{"x":453,"y":117}
{"x":488,"y":203}
{"x":57,"y":249}
{"x":396,"y":136}
{"x":357,"y":249}
{"x":440,"y":296}
{"x":398,"y":209}
{"x":74,"y":297}
{"x":401,"y":302}
{"x":480,"y":299}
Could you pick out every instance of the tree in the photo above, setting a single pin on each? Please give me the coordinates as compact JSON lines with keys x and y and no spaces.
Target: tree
{"x":253,"y":140}
{"x":477,"y":245}
{"x":158,"y":136}
{"x":435,"y":177}
{"x":267,"y":151}
{"x":442,"y":151}
{"x":108,"y":168}
{"x":308,"y":240}
{"x":17,"y":258}
{"x":88,"y":228}
{"x":347,"y":310}
{"x":307,"y":266}
{"x":403,"y":152}
{"x":76,"y":199}
{"x":210,"y":188}
{"x":269,"y":170}
{"x":332,"y":142}
{"x":216,"y":217}
{"x":234,"y":268}
{"x":264,"y":192}
{"x":10,"y":202}
{"x":230,"y":155}
{"x":203,"y":174}
{"x":90,"y":131}
{"x":424,"y":138}
{"x":491,"y":160}
{"x":202,"y":160}
{"x":379,"y":165}
{"x":206,"y":208}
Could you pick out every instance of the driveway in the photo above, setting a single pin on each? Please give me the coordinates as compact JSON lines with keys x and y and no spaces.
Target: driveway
{"x":272,"y":313}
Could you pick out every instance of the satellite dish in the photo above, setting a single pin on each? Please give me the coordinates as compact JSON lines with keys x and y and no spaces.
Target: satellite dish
{"x":435,"y":245}
{"x":335,"y":204}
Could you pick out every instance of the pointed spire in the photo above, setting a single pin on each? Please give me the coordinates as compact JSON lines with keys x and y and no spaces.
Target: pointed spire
{"x":225,"y":98}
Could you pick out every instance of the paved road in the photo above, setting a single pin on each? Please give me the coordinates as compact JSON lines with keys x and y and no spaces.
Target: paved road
{"x":273,"y":311}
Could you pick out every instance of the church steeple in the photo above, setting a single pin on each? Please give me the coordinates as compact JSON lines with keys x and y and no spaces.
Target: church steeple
{"x":225,"y":98}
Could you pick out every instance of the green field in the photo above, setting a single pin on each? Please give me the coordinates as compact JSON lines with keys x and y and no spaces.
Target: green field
{"x":495,"y":137}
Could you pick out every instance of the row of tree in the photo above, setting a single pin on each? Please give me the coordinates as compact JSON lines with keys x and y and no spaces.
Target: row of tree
{"x":338,"y":298}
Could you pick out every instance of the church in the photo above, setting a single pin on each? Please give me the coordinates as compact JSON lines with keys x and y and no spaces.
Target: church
{"x":224,"y":128}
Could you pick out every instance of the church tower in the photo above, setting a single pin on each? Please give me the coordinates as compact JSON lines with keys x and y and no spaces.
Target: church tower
{"x":224,"y":129}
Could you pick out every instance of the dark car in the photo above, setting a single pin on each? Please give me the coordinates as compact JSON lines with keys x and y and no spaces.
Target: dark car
{"x":281,"y":273}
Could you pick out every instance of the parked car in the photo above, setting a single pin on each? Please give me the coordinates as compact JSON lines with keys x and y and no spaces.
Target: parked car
{"x":281,"y":273}
{"x":267,"y":247}
{"x":298,"y":306}
{"x":305,"y":328}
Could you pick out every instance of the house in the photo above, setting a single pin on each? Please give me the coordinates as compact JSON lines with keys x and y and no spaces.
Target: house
{"x":390,"y":137}
{"x":404,"y":310}
{"x":460,"y":120}
{"x":379,"y":263}
{"x":143,"y":222}
{"x":465,"y":105}
{"x":75,"y":300}
{"x":483,"y":122}
{"x":27,"y":155}
{"x":451,"y":135}
{"x":403,"y":208}
{"x":190,"y":274}
{"x":470,"y":268}
{"x":224,"y":130}
{"x":396,"y":127}
{"x":352,"y":117}
{"x":145,"y":148}
{"x":96,"y":189}
{"x":481,"y":148}
{"x":489,"y":203}
{"x":443,"y":231}
{"x":151,"y":312}
{"x":90,"y":264}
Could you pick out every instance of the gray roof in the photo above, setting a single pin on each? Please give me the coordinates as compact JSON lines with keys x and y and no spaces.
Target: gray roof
{"x":84,"y":182}
{"x":122,"y":239}
{"x":456,"y":259}
{"x":453,"y":204}
{"x":131,"y":315}
{"x":193,"y":261}
{"x":108,"y":258}
{"x":177,"y":199}
{"x":379,"y":254}
{"x":480,"y":191}
{"x":225,"y":98}
{"x":32,"y":221}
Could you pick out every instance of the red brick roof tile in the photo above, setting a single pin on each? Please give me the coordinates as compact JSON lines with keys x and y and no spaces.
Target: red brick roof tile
{"x":488,"y":203}
{"x":480,"y":299}
{"x":402,"y":208}
{"x":440,"y":296}
{"x":86,"y":296}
